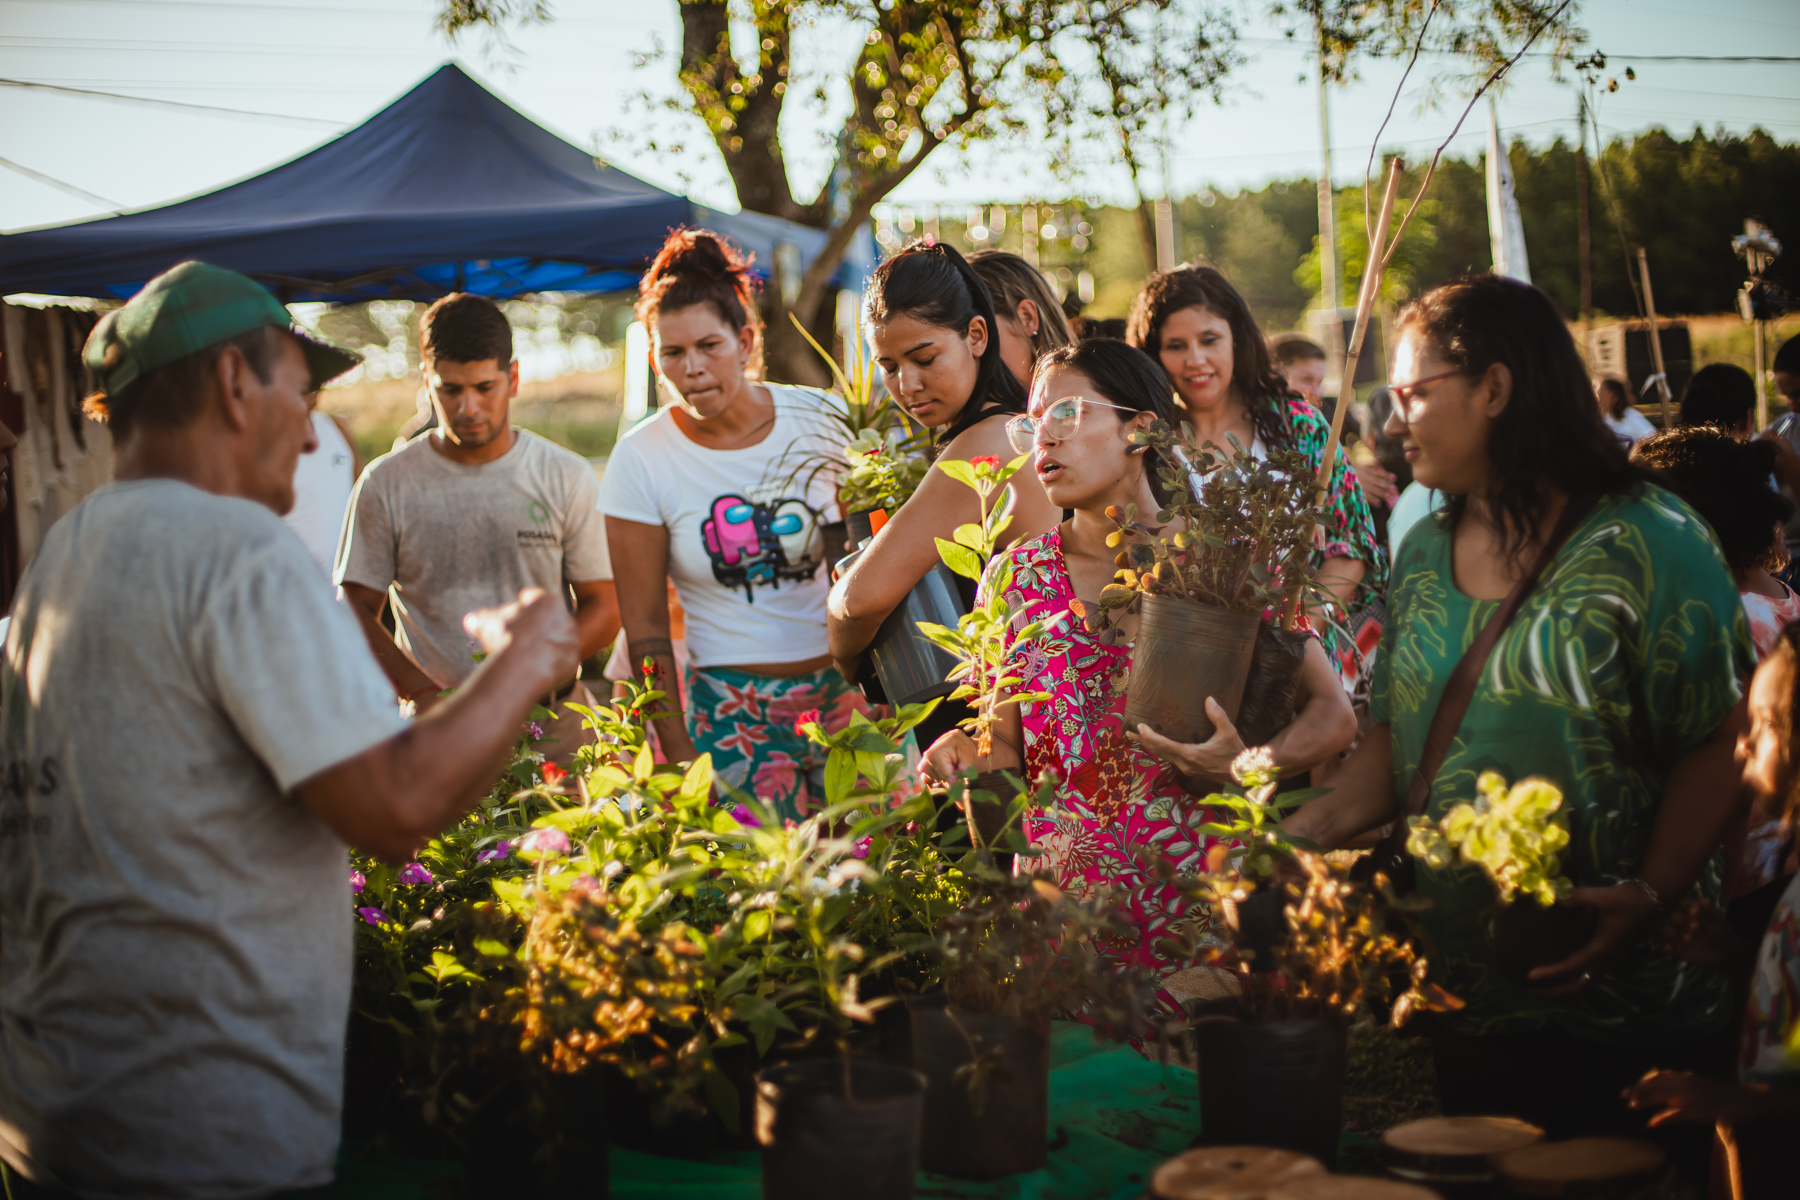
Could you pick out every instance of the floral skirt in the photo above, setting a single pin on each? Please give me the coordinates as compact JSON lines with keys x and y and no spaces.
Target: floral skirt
{"x":746,"y":722}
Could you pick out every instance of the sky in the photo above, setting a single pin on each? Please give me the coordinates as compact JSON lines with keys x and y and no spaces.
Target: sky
{"x":279,"y":77}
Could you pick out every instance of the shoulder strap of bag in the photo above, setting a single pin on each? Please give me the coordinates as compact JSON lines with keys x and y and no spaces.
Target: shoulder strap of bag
{"x":1460,"y":690}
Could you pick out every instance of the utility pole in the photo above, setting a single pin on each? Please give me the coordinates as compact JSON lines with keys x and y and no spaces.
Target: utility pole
{"x":1656,"y":354}
{"x":1329,"y":287}
{"x":1584,"y":245}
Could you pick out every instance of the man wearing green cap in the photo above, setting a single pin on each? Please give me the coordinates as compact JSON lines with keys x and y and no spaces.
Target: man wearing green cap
{"x":192,"y":729}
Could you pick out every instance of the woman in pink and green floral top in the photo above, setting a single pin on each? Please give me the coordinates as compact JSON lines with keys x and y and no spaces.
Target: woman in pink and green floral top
{"x":1115,"y":799}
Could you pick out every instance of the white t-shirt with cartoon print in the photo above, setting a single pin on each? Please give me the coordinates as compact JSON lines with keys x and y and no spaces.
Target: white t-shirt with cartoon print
{"x":746,"y":550}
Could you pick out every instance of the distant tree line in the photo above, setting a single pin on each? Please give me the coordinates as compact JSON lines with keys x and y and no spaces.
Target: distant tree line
{"x":1683,"y":200}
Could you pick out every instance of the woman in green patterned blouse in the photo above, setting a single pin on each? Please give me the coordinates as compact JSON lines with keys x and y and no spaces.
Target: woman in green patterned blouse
{"x":1620,"y":681}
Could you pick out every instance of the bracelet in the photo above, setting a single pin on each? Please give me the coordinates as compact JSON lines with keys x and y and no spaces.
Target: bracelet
{"x":413,"y":697}
{"x":1648,"y":891}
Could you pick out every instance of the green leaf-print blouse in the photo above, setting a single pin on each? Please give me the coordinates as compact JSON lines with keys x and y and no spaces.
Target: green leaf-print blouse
{"x":1628,"y":654}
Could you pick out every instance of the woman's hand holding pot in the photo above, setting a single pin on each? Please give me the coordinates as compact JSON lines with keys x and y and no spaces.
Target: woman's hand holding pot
{"x":1625,"y":911}
{"x":1210,"y":759}
{"x":949,"y":757}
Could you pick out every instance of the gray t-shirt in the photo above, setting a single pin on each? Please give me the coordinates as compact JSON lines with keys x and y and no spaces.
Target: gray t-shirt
{"x":175,"y":927}
{"x":443,"y":539}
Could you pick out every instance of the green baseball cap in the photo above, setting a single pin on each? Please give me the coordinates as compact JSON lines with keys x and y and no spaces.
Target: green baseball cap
{"x":185,"y":310}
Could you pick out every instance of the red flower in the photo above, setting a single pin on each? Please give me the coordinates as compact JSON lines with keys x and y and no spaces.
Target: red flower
{"x":809,"y":717}
{"x":554,"y":774}
{"x":990,"y":461}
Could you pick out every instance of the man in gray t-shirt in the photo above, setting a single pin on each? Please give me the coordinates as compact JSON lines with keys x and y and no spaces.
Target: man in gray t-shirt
{"x":192,"y":728}
{"x":465,"y":515}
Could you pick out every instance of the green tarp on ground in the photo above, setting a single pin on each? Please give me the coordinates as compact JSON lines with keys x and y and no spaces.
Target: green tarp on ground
{"x":1113,"y":1117}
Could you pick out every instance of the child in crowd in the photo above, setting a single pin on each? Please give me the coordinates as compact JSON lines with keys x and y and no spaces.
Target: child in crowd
{"x":1727,"y":482}
{"x":1758,"y":1118}
{"x":1628,"y":424}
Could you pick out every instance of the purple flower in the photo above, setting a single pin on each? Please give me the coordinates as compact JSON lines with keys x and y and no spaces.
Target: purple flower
{"x":373,"y":916}
{"x":743,"y":816}
{"x":536,"y":731}
{"x":500,"y":849}
{"x":356,"y":880}
{"x":861,"y":849}
{"x":545,"y":841}
{"x":414,"y":873}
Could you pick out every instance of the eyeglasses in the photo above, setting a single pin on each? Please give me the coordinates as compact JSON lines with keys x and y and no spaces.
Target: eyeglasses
{"x":1058,"y":422}
{"x":1403,"y":392}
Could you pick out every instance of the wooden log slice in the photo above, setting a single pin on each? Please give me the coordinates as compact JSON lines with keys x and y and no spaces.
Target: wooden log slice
{"x":1229,"y":1173}
{"x":1596,"y":1168}
{"x":1349,"y":1187}
{"x":1451,"y":1154}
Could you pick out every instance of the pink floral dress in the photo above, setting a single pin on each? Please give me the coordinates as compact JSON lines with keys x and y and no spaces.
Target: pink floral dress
{"x":1116,"y":801}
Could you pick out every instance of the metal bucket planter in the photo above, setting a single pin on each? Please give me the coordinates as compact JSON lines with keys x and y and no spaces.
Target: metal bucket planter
{"x":912,"y":668}
{"x":1272,"y":1083}
{"x":996,"y":1124}
{"x":1273,"y":684}
{"x":822,"y":1140}
{"x":1184,"y":653}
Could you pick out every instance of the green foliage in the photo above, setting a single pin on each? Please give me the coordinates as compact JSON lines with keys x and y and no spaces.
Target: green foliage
{"x":981,"y":637}
{"x":1511,"y":833}
{"x":884,"y":458}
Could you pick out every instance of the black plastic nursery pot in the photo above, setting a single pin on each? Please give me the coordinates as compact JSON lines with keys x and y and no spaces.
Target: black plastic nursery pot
{"x":1272,"y":1083}
{"x":912,"y":668}
{"x":558,"y":1146}
{"x":1528,"y":934}
{"x":836,"y":1128}
{"x":1186,"y":652}
{"x":991,"y":1123}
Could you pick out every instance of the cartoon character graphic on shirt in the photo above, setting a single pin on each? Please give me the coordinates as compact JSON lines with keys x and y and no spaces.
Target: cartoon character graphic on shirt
{"x":752,"y":543}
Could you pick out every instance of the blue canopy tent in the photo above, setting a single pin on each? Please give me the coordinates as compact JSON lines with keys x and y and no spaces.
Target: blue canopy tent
{"x":449,"y":188}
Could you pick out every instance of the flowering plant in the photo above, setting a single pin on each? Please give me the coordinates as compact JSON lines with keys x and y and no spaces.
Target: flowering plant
{"x":1511,"y":833}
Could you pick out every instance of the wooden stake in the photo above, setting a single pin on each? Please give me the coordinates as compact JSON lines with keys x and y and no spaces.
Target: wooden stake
{"x":1365,"y":304}
{"x":1662,"y":378}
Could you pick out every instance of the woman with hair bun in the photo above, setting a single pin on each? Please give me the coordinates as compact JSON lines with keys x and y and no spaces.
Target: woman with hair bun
{"x":1027,"y":316}
{"x":701,"y":494}
{"x":932,"y":325}
{"x":1193,"y":322}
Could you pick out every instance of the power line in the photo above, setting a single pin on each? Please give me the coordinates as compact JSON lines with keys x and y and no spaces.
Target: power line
{"x":58,"y":184}
{"x":146,"y":100}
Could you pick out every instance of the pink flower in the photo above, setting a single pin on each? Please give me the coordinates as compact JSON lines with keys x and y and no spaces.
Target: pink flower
{"x":809,"y":717}
{"x":536,"y":731}
{"x":545,"y":841}
{"x":553,"y":774}
{"x":861,"y":849}
{"x":500,"y":849}
{"x":990,"y":461}
{"x":585,"y":883}
{"x":415,"y":873}
{"x":356,"y":880}
{"x":743,"y":816}
{"x":373,"y":916}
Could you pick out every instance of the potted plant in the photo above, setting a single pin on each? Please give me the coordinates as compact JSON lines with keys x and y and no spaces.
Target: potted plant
{"x":1233,"y":543}
{"x":1021,"y":951}
{"x":1271,"y":1055}
{"x":1514,"y":835}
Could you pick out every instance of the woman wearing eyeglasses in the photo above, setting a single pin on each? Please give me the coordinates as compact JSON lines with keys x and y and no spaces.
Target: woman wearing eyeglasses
{"x":931,"y":323}
{"x":1618,"y":681}
{"x":1193,"y":322}
{"x":1114,"y":798}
